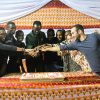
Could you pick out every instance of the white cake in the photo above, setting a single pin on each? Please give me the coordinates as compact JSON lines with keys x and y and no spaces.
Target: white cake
{"x":55,"y":76}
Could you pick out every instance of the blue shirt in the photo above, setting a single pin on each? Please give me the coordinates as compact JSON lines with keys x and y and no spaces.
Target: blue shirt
{"x":90,"y":47}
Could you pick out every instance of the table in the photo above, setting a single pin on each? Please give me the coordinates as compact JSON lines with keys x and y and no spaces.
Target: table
{"x":76,"y":86}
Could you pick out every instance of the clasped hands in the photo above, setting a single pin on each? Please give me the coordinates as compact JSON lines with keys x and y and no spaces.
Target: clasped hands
{"x":37,"y":50}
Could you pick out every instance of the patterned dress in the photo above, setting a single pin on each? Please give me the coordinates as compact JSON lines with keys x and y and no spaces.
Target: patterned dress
{"x":80,"y":59}
{"x":69,"y":64}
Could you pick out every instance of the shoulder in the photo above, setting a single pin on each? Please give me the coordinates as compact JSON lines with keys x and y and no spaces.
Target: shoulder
{"x":23,"y":44}
{"x":92,"y":35}
{"x":42,"y":32}
{"x":96,"y":34}
{"x":29,"y":35}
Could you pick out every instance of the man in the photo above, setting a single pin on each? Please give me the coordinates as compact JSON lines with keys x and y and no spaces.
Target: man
{"x":35,"y":38}
{"x":87,"y":44}
{"x":11,"y":28}
{"x":5,"y":50}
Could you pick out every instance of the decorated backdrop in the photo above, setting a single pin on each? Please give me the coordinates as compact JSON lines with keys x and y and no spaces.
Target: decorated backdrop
{"x":52,"y":13}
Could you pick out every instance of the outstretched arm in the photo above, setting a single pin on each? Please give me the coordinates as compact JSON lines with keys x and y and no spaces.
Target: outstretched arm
{"x":8,"y":47}
{"x":54,"y":48}
{"x":13,"y":48}
{"x":57,"y":48}
{"x":50,"y":47}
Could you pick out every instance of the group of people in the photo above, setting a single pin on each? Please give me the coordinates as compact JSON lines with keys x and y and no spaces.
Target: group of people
{"x":6,"y":51}
{"x":88,"y":44}
{"x":49,"y":59}
{"x":12,"y":41}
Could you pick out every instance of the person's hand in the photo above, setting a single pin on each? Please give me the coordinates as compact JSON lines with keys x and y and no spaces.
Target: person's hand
{"x":28,"y":50}
{"x":37,"y":50}
{"x":45,"y":48}
{"x":64,"y":52}
{"x":32,"y":52}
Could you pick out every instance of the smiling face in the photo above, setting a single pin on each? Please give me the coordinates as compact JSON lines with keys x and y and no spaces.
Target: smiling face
{"x":19,"y":35}
{"x":59,"y":36}
{"x":68,"y":35}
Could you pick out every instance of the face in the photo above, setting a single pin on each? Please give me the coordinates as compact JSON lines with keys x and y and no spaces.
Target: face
{"x":20,"y":37}
{"x":36,"y":27}
{"x":50,"y":35}
{"x":2,"y":35}
{"x":59,"y":35}
{"x":75,"y":34}
{"x":11,"y":28}
{"x":69,"y":37}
